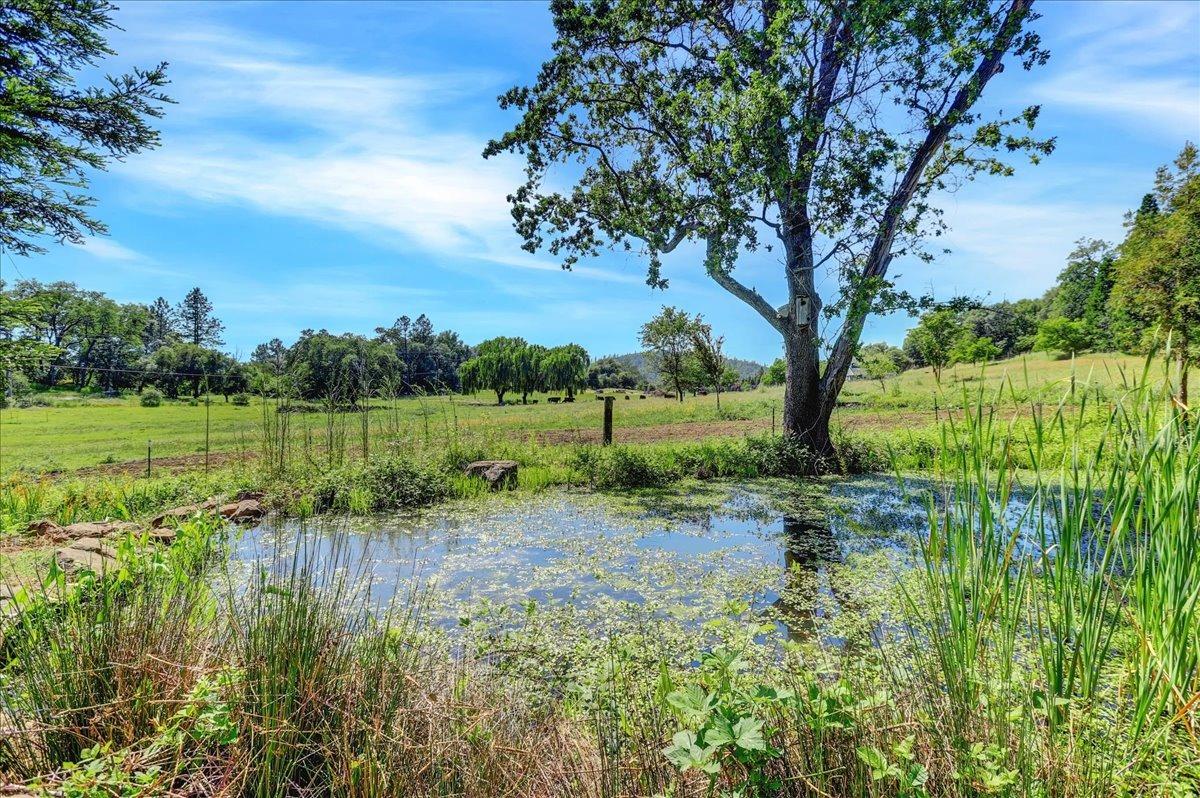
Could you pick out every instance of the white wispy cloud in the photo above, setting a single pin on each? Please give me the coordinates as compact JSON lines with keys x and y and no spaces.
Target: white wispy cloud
{"x":271,"y":127}
{"x":107,"y":249}
{"x":123,"y":258}
{"x":1137,"y":61}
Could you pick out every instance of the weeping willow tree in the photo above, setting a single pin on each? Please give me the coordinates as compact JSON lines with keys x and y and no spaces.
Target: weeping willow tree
{"x":564,"y":368}
{"x":495,"y":367}
{"x":821,"y":129}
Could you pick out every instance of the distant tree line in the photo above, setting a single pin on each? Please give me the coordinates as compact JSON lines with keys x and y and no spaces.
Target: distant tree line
{"x":407,"y":358}
{"x":60,"y":335}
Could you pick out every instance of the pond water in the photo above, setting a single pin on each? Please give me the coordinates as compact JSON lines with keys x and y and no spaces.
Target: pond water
{"x":790,"y":551}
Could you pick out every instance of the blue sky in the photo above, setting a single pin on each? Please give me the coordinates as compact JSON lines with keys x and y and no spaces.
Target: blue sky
{"x":322,"y":169}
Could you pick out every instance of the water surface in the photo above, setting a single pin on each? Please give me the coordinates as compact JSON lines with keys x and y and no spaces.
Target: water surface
{"x":689,"y":554}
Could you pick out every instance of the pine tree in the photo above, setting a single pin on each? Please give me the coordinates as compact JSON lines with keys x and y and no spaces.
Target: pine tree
{"x":197,"y":323}
{"x":57,"y":126}
{"x":162,"y":326}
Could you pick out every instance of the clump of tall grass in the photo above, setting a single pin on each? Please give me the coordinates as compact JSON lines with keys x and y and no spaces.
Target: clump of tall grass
{"x":106,"y":658}
{"x":152,"y":681}
{"x":1063,"y":636}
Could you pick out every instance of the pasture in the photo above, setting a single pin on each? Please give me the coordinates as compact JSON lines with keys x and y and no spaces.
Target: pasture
{"x":71,"y":432}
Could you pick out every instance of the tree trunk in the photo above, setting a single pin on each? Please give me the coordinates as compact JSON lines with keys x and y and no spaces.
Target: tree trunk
{"x":499,"y":397}
{"x":804,"y":417}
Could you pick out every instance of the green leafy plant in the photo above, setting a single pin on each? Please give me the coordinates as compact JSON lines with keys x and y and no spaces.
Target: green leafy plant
{"x":725,"y":732}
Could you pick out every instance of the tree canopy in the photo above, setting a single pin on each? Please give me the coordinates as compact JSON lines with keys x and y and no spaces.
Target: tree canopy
{"x":821,"y":127}
{"x":54,"y":131}
{"x":1157,"y":274}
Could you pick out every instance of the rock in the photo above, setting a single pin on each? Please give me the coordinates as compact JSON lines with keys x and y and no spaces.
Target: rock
{"x":498,"y":474}
{"x":44,"y":527}
{"x":92,"y":554}
{"x":183,"y":513}
{"x":97,"y":529}
{"x":82,"y":529}
{"x":164,"y":535}
{"x":243,"y":511}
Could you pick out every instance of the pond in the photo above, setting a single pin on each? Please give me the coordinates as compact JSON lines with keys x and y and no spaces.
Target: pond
{"x":791,"y":552}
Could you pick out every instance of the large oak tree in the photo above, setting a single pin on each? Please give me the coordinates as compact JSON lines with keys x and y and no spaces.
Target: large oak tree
{"x":816,"y":128}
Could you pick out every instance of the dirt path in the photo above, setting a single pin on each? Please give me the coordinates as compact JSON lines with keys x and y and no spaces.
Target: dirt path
{"x":158,"y":465}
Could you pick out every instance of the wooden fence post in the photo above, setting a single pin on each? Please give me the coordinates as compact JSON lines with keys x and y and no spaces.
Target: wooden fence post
{"x":608,"y":413}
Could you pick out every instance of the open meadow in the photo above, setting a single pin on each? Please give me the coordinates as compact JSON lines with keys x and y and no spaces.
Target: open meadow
{"x":65,"y":432}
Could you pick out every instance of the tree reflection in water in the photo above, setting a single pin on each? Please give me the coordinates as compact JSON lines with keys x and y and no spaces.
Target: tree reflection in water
{"x":809,"y":549}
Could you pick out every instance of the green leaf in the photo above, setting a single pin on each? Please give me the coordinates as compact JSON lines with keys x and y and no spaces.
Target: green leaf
{"x":693,"y":704}
{"x":686,"y":754}
{"x":875,"y":759}
{"x":748,"y":735}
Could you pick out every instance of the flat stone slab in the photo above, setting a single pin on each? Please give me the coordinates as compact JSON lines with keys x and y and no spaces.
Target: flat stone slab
{"x":80,"y":529}
{"x":92,"y":554}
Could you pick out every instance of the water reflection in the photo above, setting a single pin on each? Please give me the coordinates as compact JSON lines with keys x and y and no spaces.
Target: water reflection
{"x":671,"y":555}
{"x":813,"y":583}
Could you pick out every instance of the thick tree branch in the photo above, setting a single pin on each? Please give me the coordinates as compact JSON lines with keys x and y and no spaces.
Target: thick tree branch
{"x":748,"y":295}
{"x":880,"y":256}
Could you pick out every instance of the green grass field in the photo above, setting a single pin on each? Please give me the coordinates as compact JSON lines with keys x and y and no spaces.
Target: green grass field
{"x":79,"y":432}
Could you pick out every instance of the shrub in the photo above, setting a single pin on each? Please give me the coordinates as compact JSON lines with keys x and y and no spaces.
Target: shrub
{"x":627,"y":467}
{"x":385,"y":484}
{"x":779,"y":455}
{"x":151,"y":397}
{"x":240,"y":399}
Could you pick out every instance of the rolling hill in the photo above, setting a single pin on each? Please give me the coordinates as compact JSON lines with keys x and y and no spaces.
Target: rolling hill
{"x":642,"y":362}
